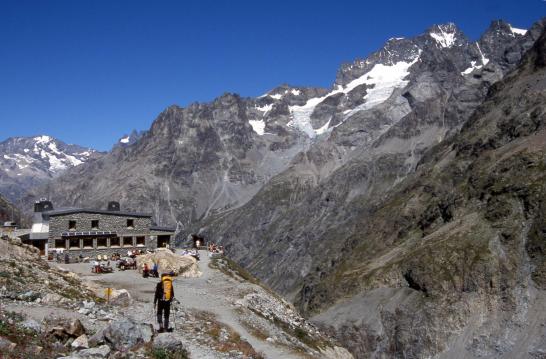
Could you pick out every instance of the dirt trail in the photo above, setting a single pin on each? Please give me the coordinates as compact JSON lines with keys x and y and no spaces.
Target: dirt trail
{"x":214,"y":292}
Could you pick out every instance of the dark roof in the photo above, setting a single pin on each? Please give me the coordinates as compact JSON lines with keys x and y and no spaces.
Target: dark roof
{"x":162,"y":229}
{"x":63,"y":211}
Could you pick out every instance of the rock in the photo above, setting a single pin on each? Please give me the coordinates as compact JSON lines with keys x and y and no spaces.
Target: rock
{"x":123,"y":335}
{"x":120,"y":297}
{"x":31,"y":324}
{"x":52,"y":298}
{"x":80,"y":342}
{"x":97,"y":338}
{"x":167,"y":261}
{"x":99,"y":352}
{"x":29,"y":296}
{"x":84,"y":311}
{"x":168,"y":341}
{"x":36,"y":349}
{"x":336,"y":353}
{"x":89,"y":305}
{"x":6,"y":345}
{"x":76,"y":328}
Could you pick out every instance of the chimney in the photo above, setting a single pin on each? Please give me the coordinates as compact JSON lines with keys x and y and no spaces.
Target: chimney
{"x":43,"y":205}
{"x":113,"y":206}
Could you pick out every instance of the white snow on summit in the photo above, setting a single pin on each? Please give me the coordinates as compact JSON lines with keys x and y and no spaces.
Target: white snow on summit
{"x":518,"y":31}
{"x":383,"y":79}
{"x":43,"y":154}
{"x":443,"y":38}
{"x":125,"y":139}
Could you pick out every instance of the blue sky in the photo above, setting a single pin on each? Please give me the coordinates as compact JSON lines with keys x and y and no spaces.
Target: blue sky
{"x":88,"y":72}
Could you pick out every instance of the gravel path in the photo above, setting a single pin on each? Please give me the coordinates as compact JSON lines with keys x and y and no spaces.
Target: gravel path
{"x":214,"y":292}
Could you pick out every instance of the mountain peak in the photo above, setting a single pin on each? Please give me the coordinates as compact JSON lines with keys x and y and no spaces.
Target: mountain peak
{"x":446,"y":35}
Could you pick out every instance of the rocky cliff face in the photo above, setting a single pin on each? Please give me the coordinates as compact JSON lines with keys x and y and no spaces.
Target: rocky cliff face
{"x":297,"y":221}
{"x":451,"y":261}
{"x":209,"y":159}
{"x":8,"y":212}
{"x":28,"y":162}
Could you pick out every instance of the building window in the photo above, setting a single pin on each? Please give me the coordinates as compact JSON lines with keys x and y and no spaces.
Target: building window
{"x":101,"y":243}
{"x":140,"y":241}
{"x":60,"y":243}
{"x":127,"y":241}
{"x":88,"y":243}
{"x":74,"y":243}
{"x":130,"y":223}
{"x":72,"y":225}
{"x":114,"y":242}
{"x":95,"y":224}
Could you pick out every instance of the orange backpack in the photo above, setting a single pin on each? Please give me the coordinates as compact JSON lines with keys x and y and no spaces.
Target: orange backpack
{"x":167,"y":288}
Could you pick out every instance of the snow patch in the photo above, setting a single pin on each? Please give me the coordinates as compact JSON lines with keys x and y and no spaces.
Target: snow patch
{"x":484,"y":59}
{"x":265,"y":108}
{"x":295,"y":92}
{"x":125,"y":139}
{"x":42,"y":139}
{"x":518,"y":31}
{"x":258,"y":126}
{"x":443,"y":38}
{"x":277,"y":96}
{"x":384,"y":79}
{"x":472,"y":67}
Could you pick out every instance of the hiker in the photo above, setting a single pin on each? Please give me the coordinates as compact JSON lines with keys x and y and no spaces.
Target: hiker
{"x":164,"y":295}
{"x":145,"y":271}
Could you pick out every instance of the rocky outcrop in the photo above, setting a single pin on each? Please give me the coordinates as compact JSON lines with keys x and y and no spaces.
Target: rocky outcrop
{"x":167,"y":262}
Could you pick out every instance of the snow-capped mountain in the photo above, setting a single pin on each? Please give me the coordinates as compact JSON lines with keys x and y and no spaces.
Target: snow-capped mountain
{"x":26,"y":162}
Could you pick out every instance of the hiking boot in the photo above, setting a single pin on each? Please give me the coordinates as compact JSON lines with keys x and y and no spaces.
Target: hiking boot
{"x":161,"y":330}
{"x":170,"y":330}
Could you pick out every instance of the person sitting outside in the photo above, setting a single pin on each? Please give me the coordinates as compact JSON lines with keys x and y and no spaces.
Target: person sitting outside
{"x":145,"y":271}
{"x":154,"y":273}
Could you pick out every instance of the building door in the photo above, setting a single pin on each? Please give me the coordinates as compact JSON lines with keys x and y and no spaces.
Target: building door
{"x":162,"y":241}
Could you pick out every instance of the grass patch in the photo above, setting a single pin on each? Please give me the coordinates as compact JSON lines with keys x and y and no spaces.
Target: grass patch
{"x":167,"y":354}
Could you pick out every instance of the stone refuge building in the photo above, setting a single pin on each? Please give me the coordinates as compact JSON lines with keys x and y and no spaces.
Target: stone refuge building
{"x":92,"y":232}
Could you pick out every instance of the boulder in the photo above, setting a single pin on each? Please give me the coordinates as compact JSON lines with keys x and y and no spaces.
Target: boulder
{"x":97,"y":338}
{"x":76,"y":328}
{"x":80,"y":342}
{"x":52,"y":298}
{"x":120,"y":297}
{"x":167,"y":261}
{"x":99,"y":352}
{"x":31,"y":324}
{"x":169,"y":342}
{"x":6,"y":346}
{"x":88,"y":305}
{"x":123,"y":335}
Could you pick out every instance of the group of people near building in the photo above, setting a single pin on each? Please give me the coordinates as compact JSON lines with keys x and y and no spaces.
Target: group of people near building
{"x":214,"y":248}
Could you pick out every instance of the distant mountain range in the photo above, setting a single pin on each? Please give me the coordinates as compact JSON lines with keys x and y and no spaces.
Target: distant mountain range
{"x":385,"y":206}
{"x":29,"y":162}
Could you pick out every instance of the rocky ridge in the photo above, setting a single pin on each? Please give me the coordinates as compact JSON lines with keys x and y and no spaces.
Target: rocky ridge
{"x":208,"y":159}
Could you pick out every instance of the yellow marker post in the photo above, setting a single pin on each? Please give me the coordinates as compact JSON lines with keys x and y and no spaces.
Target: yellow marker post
{"x":108,"y":292}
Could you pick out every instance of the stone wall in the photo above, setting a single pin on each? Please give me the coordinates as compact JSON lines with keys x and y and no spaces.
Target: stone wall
{"x":107,"y":222}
